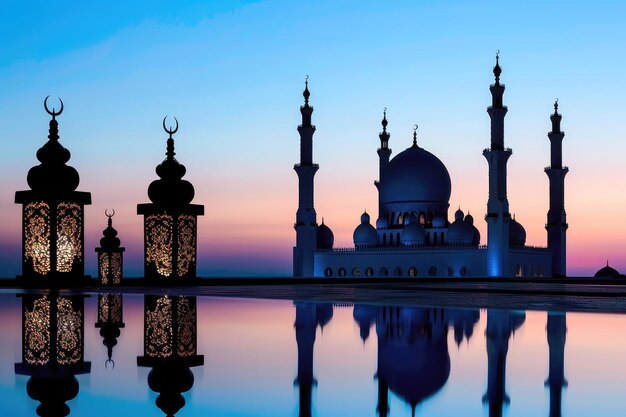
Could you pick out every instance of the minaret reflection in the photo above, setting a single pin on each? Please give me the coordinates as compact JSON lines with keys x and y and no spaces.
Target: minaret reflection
{"x":501,"y":325}
{"x":309,"y":315}
{"x":110,"y":321}
{"x":556,"y":330}
{"x":170,"y":348}
{"x":53,"y":341}
{"x":413,"y":359}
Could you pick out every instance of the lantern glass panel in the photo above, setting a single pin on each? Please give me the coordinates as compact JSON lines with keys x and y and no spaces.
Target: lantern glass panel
{"x":159,"y":239}
{"x":186,"y":243}
{"x":186,"y":327}
{"x":69,"y":233}
{"x":159,"y":331}
{"x":110,"y":267}
{"x":37,"y":236}
{"x":37,"y":333}
{"x":69,"y":339}
{"x":110,"y":308}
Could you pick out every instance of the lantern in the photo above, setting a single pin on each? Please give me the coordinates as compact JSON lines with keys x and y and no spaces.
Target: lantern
{"x":170,"y":348}
{"x":53,"y":216}
{"x":53,"y":341}
{"x":170,"y":221}
{"x":110,"y":255}
{"x":110,"y":321}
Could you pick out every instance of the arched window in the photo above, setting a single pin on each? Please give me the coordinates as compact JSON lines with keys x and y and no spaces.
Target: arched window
{"x":383,"y":272}
{"x":391,"y":217}
{"x":399,"y":272}
{"x":342,"y":272}
{"x":328,"y":272}
{"x":398,"y":239}
{"x":400,"y":218}
{"x":463,"y":271}
{"x":532,"y":271}
{"x":518,"y":271}
{"x":384,"y":239}
{"x":432,"y":271}
{"x":422,"y":219}
{"x":412,"y":271}
{"x":441,"y":239}
{"x":356,"y":272}
{"x":450,"y":271}
{"x":390,"y":239}
{"x":369,"y":272}
{"x":540,"y":270}
{"x":435,"y":238}
{"x":427,"y":239}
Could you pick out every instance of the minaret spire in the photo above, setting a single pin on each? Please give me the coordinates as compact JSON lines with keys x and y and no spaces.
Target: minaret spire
{"x":384,"y":153}
{"x":498,"y":216}
{"x":556,"y":225}
{"x":306,"y":218}
{"x":415,"y":135}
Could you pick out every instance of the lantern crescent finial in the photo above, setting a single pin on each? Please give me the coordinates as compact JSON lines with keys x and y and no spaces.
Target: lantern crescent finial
{"x":170,"y":130}
{"x":106,"y":213}
{"x":52,"y":113}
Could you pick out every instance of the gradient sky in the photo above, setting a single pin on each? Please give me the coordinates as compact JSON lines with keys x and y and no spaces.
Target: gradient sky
{"x":233,"y":72}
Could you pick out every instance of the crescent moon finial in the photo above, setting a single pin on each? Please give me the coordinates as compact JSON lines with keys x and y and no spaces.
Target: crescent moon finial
{"x":497,"y":53}
{"x":107,"y":362}
{"x":415,"y":126}
{"x":170,"y":130}
{"x":52,"y":113}
{"x":106,"y":213}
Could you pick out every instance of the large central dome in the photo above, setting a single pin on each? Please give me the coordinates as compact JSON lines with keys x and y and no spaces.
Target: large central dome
{"x":415,"y":176}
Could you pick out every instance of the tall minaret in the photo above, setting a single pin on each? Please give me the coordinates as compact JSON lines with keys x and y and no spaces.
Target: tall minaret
{"x":557,"y":221}
{"x":383,"y":157}
{"x":306,"y":222}
{"x":557,"y":330}
{"x":305,"y":325}
{"x":498,"y":216}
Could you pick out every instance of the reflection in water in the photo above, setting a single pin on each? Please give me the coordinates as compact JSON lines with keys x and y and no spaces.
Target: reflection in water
{"x":413,"y":360}
{"x":556,"y":330}
{"x":308,"y":317}
{"x":170,"y":348}
{"x":110,"y":321}
{"x":52,"y":350}
{"x":501,"y":324}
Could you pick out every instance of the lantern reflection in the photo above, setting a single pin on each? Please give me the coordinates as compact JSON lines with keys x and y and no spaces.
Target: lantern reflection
{"x":110,"y":321}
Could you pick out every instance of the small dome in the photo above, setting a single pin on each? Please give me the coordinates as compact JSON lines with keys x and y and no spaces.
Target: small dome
{"x":607,"y":272}
{"x":469,"y":219}
{"x":517,"y":233}
{"x":460,"y":233}
{"x":413,"y":234}
{"x":439,"y":221}
{"x":325,"y":237}
{"x":365,"y":234}
{"x":382,"y":223}
{"x":458,"y":215}
{"x":110,"y":241}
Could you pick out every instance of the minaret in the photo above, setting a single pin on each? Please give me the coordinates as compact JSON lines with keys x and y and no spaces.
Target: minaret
{"x":383,"y":157}
{"x":557,"y":219}
{"x":306,"y":222}
{"x":305,"y":325}
{"x":498,"y":216}
{"x":556,"y":329}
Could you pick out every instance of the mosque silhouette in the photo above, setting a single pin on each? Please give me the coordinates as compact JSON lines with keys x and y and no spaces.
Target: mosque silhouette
{"x":412,"y":236}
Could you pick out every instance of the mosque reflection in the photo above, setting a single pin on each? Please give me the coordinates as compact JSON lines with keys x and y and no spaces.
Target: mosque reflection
{"x":170,"y":348}
{"x":53,"y":341}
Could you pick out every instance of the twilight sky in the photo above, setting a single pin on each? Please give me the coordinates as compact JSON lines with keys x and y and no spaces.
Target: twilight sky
{"x":233,"y":73}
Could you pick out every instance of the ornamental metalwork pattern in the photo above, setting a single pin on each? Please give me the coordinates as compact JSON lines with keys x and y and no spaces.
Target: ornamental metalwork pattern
{"x":110,"y":267}
{"x":69,"y":232}
{"x":186,"y":243}
{"x":159,"y":239}
{"x":158,"y":337}
{"x":186,"y":327}
{"x":69,"y":338}
{"x":110,"y":308}
{"x":37,"y":236}
{"x":37,"y":333}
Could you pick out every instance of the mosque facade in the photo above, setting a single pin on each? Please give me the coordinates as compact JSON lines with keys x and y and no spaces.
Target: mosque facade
{"x":413,"y":235}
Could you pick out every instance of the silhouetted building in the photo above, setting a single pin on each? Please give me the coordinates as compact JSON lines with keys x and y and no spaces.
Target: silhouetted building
{"x":110,"y":321}
{"x":110,"y":255}
{"x":53,"y":244}
{"x":308,"y":317}
{"x":170,"y":348}
{"x":557,"y":330}
{"x":608,"y":272}
{"x":501,"y":325}
{"x":412,"y":235}
{"x":53,"y":349}
{"x":170,"y":221}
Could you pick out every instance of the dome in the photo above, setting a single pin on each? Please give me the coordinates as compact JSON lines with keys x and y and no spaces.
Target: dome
{"x":325,"y":237}
{"x":607,"y":272}
{"x":517,"y":233}
{"x":415,"y":175}
{"x":460,"y":232}
{"x":458,"y":215}
{"x":110,"y":240}
{"x":439,"y":221}
{"x":365,"y":234}
{"x":382,"y":223}
{"x":469,"y":219}
{"x":413,"y":234}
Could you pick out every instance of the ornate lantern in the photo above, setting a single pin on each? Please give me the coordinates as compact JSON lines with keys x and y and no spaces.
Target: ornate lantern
{"x":53,"y":340}
{"x":110,"y":321}
{"x":110,"y":255}
{"x":53,"y":216}
{"x":170,"y":348}
{"x":170,"y":221}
